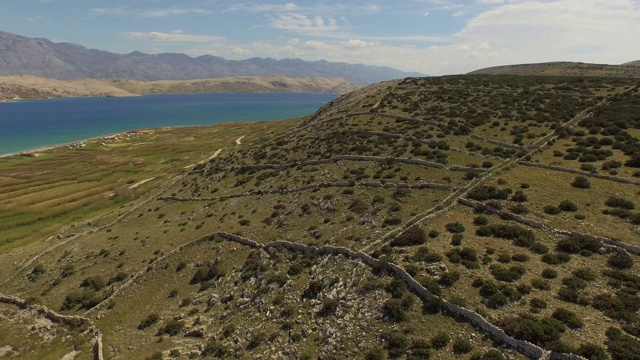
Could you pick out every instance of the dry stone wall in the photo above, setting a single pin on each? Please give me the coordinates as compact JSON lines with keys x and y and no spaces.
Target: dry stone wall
{"x":526,"y":348}
{"x":67,"y":320}
{"x":579,"y":172}
{"x":616,"y":244}
{"x":366,"y":184}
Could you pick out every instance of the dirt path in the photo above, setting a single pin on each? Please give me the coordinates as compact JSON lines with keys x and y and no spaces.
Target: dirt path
{"x":140,"y":183}
{"x":239,"y":139}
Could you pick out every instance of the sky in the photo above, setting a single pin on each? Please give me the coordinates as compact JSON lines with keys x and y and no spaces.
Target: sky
{"x":434,"y":37}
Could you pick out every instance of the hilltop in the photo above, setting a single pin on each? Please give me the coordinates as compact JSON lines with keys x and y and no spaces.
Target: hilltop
{"x":471,"y":216}
{"x":31,"y":87}
{"x":564,"y":69}
{"x":20,"y":55}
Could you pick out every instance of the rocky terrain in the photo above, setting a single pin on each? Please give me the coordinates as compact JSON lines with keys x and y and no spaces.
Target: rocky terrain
{"x":471,"y":216}
{"x":626,"y":70}
{"x":31,"y":87}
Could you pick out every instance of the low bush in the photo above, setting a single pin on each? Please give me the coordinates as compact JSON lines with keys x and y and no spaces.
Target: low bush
{"x":510,"y":274}
{"x":440,"y":340}
{"x":620,"y":261}
{"x":148,"y":321}
{"x":568,"y":317}
{"x":462,"y":346}
{"x":549,"y":273}
{"x":411,"y":236}
{"x":455,"y":227}
{"x":581,"y":182}
{"x":568,"y":205}
{"x":519,"y":235}
{"x":542,"y":332}
{"x":172,"y":328}
{"x":619,"y":202}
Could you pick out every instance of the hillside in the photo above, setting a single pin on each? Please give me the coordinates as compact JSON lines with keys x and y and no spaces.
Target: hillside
{"x":632,"y":63}
{"x":472,"y":216}
{"x":31,"y":87}
{"x":20,"y":55}
{"x":563,"y":69}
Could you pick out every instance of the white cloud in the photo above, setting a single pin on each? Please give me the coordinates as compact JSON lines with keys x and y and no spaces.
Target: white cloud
{"x":302,"y":24}
{"x":258,"y":8}
{"x":500,"y":32}
{"x":357,"y":43}
{"x":152,"y":13}
{"x":172,"y":37}
{"x":173,"y":11}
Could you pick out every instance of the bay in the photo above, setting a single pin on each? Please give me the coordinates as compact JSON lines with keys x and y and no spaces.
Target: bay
{"x":26,"y":125}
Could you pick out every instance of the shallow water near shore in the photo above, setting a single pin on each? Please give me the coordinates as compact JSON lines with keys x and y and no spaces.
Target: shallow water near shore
{"x":32,"y":124}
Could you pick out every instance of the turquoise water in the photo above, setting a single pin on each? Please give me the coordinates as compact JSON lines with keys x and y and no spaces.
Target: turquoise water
{"x":33,"y":124}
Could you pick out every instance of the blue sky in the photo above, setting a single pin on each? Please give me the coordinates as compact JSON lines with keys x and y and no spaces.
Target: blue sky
{"x":430,"y":36}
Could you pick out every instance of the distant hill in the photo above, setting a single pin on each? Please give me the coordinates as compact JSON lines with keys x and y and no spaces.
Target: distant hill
{"x":564,"y":69}
{"x":32,"y":87}
{"x":632,"y":63}
{"x":41,"y":57}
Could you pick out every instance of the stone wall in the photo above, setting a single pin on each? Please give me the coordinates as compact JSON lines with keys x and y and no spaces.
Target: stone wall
{"x":617,"y":244}
{"x":66,"y":320}
{"x":365,"y":184}
{"x":526,"y":348}
{"x":579,"y":172}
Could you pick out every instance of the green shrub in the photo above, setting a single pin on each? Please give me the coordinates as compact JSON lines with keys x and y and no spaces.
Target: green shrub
{"x":620,"y":261}
{"x":519,"y":235}
{"x":376,"y":353}
{"x":568,"y":205}
{"x":568,"y":317}
{"x":581,"y":182}
{"x":480,"y":220}
{"x":592,"y":352}
{"x":549,"y":273}
{"x":329,"y":307}
{"x":487,"y":192}
{"x":538,"y":303}
{"x":148,"y":321}
{"x":538,"y":248}
{"x":455,"y":227}
{"x":295,"y":269}
{"x":462,"y":346}
{"x":621,"y":346}
{"x":575,"y":244}
{"x":530,"y":328}
{"x":449,"y":278}
{"x":215,"y":349}
{"x":411,"y":236}
{"x":396,"y":344}
{"x":456,"y":239}
{"x":619,"y":202}
{"x":440,"y":340}
{"x":541,"y":284}
{"x":519,"y":196}
{"x":313,"y":290}
{"x":207,"y":273}
{"x":585,"y":274}
{"x":172,"y":328}
{"x":551,"y":210}
{"x":510,"y":274}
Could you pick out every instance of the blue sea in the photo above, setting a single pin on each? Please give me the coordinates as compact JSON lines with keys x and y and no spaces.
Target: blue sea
{"x":32,"y":124}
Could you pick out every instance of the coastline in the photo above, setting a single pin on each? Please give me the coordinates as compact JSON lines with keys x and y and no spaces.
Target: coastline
{"x":82,"y":141}
{"x":46,"y":148}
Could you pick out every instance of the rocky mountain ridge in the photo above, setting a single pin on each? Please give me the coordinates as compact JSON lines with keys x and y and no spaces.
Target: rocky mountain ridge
{"x":41,"y":57}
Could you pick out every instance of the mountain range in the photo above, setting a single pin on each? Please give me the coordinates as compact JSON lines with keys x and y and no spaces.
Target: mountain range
{"x":21,"y":55}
